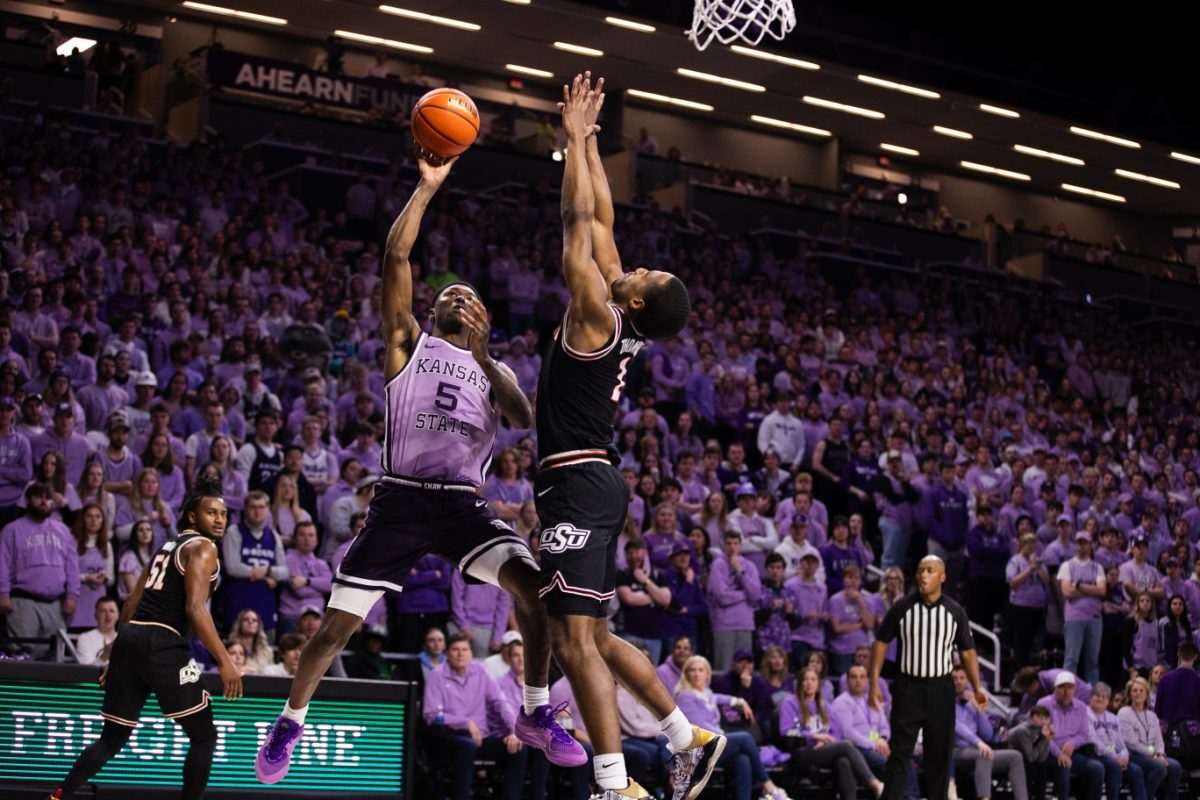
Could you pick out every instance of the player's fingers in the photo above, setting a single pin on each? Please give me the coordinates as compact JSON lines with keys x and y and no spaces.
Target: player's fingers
{"x":599,"y":85}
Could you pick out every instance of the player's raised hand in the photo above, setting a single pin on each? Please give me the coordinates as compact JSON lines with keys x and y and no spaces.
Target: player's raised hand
{"x":434,"y":170}
{"x":575,"y":99}
{"x":594,"y":102}
{"x":475,"y":321}
{"x":232,"y":679}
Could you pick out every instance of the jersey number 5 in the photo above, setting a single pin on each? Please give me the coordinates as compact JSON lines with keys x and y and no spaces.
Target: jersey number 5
{"x":620,"y":387}
{"x":158,"y":571}
{"x":447,"y":396}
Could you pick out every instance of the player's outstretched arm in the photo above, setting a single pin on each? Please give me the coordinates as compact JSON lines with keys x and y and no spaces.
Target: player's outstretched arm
{"x":604,"y":247}
{"x":399,"y":328}
{"x":591,"y":322}
{"x":201,"y":560}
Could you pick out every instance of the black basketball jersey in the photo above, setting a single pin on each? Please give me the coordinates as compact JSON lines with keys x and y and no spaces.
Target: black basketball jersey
{"x":164,"y":600}
{"x":578,"y":392}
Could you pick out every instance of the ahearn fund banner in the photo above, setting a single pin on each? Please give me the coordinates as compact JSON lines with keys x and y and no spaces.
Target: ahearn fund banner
{"x":266,"y":76}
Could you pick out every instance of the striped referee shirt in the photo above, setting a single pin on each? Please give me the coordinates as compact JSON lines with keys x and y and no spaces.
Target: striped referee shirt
{"x":929,"y":633}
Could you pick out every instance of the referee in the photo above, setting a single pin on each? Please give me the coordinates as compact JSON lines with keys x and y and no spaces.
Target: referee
{"x":930,"y":627}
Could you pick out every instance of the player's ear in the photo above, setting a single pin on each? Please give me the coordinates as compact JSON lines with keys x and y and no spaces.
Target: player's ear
{"x":636,"y":303}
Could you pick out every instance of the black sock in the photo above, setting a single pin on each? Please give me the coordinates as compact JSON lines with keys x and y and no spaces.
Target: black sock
{"x":202,"y":735}
{"x":96,"y":755}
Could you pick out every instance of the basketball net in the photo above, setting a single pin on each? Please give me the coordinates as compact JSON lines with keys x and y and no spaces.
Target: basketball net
{"x":748,"y":20}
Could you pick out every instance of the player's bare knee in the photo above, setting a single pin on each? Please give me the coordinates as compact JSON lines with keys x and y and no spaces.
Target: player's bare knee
{"x":571,"y":638}
{"x":336,"y":629}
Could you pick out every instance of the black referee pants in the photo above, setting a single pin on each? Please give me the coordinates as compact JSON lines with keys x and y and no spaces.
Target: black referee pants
{"x":921,"y":704}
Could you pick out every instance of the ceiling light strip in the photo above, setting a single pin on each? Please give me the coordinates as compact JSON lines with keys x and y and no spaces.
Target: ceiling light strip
{"x":899,"y":87}
{"x":1039,"y":153}
{"x":379,"y":40}
{"x":895,"y":148}
{"x":1137,"y":176}
{"x":674,"y":101}
{"x":792,"y":126}
{"x":990,"y":170}
{"x":630,"y":25}
{"x":537,"y":73}
{"x":798,"y":63}
{"x":1116,"y":198}
{"x":730,"y":82}
{"x":998,"y":111}
{"x":233,"y":12}
{"x":843,"y":107}
{"x":578,"y":48}
{"x":1104,"y":137}
{"x":421,"y":16}
{"x":952,"y":132}
{"x":1184,"y":157}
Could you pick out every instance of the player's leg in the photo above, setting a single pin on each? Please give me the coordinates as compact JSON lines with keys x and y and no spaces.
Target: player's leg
{"x":113,"y":737}
{"x":202,"y":743}
{"x":487,"y":550}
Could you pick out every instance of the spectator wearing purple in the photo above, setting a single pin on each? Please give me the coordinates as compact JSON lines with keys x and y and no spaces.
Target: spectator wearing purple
{"x":734,"y":589}
{"x":16,"y":462}
{"x":948,"y":524}
{"x":481,"y":611}
{"x":643,"y":598}
{"x":1109,"y":553}
{"x":759,"y":536}
{"x":839,"y":553}
{"x":776,"y":607}
{"x":853,"y":720}
{"x":802,"y":503}
{"x":1175,"y":584}
{"x":1111,"y":749}
{"x":670,"y":369}
{"x":424,"y":604}
{"x":461,"y":696}
{"x":39,"y":571}
{"x":897,"y":500}
{"x":309,"y":579}
{"x":1138,"y":574}
{"x":61,"y":436}
{"x":1028,"y":594}
{"x":79,"y":368}
{"x":664,"y":536}
{"x":1083,"y":587}
{"x":1073,"y":738}
{"x":103,"y":397}
{"x":988,"y":550}
{"x":811,"y":610}
{"x":852,"y":618}
{"x":120,"y":465}
{"x":741,"y":681}
{"x":199,"y":443}
{"x":688,"y":607}
{"x":506,"y":489}
{"x":670,"y":671}
{"x":254,"y":562}
{"x":97,"y":567}
{"x":973,"y":737}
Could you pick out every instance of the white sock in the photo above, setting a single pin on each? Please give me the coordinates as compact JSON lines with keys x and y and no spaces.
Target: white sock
{"x":536,"y":696}
{"x":296,"y":715}
{"x":677,"y":729}
{"x":610,"y":771}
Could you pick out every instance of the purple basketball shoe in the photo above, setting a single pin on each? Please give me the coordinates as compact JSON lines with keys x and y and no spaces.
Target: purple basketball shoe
{"x":275,"y":755}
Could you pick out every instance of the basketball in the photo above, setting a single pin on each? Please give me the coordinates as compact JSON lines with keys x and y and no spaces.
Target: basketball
{"x":445,"y":122}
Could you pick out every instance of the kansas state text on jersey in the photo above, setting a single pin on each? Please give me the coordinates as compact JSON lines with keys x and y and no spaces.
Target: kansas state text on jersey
{"x":441,"y":422}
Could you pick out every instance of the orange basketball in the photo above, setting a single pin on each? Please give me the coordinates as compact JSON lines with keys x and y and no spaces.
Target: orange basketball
{"x":445,"y":122}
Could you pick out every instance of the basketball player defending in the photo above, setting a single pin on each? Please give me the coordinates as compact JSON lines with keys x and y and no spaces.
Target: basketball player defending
{"x":444,"y":396}
{"x":150,"y":653}
{"x":581,"y":497}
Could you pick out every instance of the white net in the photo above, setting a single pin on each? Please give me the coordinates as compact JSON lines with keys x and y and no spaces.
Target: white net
{"x":748,"y":20}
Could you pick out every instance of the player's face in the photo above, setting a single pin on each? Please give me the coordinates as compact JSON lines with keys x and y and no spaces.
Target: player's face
{"x":447,"y":312}
{"x":635,"y":284}
{"x":211,"y":517}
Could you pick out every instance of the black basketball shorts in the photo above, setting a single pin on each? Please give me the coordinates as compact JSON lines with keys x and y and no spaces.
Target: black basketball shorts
{"x":145,"y":658}
{"x":582,"y":510}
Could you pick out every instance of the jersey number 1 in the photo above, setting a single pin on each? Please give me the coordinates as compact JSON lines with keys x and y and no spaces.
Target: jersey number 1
{"x":620,"y":387}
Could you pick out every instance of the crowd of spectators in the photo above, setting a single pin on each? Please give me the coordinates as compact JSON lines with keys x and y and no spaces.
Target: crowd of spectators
{"x":167,"y":311}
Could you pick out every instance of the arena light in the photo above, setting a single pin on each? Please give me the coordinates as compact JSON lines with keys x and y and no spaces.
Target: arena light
{"x":1116,"y":198}
{"x":1104,"y":137}
{"x":537,"y":73}
{"x":392,"y":43}
{"x":998,"y":111}
{"x":578,"y":48}
{"x":990,"y":170}
{"x":899,"y":87}
{"x":1137,"y":176}
{"x":630,"y":25}
{"x":233,"y":12}
{"x":953,"y":133}
{"x":421,"y":16}
{"x":1033,"y":151}
{"x":75,"y":43}
{"x":843,"y":107}
{"x":1184,"y":157}
{"x":519,"y":2}
{"x":895,"y":148}
{"x":673,"y":101}
{"x":730,"y":82}
{"x":798,"y":63}
{"x":791,"y":126}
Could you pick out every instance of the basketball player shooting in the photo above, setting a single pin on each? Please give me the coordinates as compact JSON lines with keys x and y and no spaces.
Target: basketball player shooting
{"x":150,"y":653}
{"x":444,"y":395}
{"x":581,"y":497}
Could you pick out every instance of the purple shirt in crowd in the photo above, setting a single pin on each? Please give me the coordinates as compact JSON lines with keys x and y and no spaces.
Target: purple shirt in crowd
{"x":39,"y":558}
{"x":478,"y":605}
{"x":464,"y":698}
{"x":292,"y":602}
{"x":733,"y":596}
